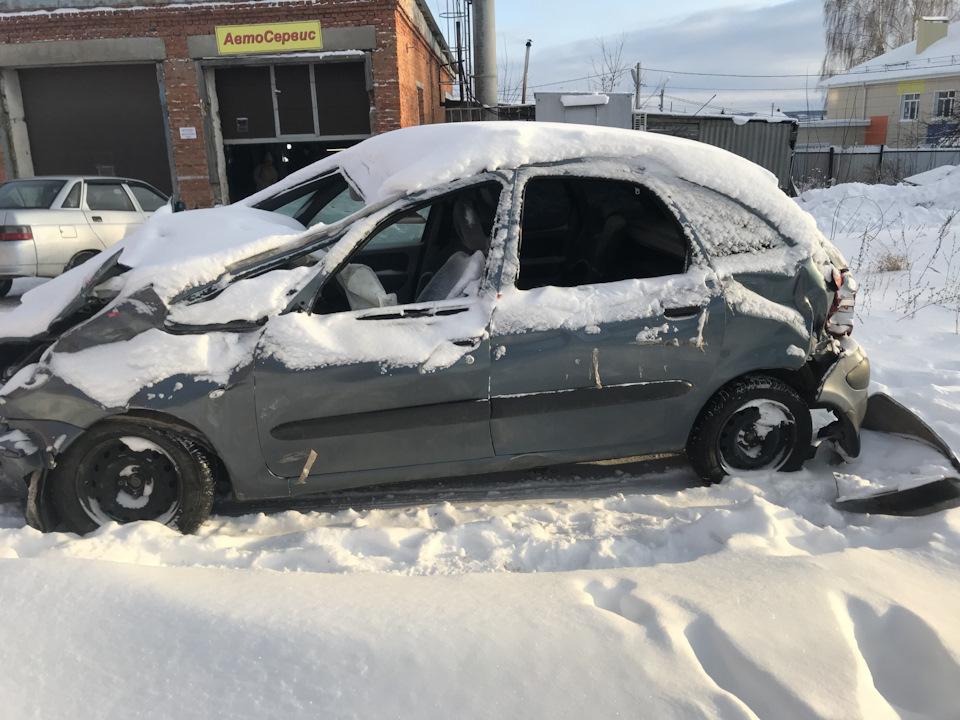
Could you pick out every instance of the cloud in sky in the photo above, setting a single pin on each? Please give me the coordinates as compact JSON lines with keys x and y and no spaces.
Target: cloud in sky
{"x":783,"y":39}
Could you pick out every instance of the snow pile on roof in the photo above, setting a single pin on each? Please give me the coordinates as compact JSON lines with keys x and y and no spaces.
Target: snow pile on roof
{"x":405,"y":161}
{"x":584,"y":100}
{"x":904,"y":63}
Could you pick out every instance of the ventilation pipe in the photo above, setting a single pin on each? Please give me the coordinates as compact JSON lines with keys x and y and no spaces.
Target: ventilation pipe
{"x":929,"y":30}
{"x":485,"y":57}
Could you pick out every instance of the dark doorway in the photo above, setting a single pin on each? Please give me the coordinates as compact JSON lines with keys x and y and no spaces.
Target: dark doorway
{"x":243,"y":159}
{"x":96,"y":120}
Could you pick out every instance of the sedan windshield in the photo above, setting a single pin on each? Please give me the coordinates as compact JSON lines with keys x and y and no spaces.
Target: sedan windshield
{"x":29,"y":194}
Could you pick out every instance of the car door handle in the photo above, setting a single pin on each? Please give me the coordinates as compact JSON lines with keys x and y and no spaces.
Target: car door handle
{"x":682,"y":312}
{"x":96,"y":218}
{"x":467,"y":342}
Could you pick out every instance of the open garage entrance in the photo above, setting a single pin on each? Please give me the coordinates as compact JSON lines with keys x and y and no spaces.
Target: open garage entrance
{"x":278,"y":118}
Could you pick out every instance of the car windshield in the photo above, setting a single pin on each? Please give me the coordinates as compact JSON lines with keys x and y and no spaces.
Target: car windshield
{"x":29,"y":194}
{"x":326,"y":200}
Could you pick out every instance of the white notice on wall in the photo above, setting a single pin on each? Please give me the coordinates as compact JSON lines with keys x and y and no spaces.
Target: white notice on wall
{"x":188,"y":133}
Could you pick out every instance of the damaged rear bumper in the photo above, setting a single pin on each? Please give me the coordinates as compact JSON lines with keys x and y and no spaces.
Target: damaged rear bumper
{"x":844,"y":391}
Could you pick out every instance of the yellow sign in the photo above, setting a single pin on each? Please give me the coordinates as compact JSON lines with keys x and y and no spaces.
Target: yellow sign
{"x":269,"y":38}
{"x":910,"y":86}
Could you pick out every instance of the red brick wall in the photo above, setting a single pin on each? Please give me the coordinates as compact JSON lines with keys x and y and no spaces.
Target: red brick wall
{"x":394,"y":92}
{"x":418,"y":63}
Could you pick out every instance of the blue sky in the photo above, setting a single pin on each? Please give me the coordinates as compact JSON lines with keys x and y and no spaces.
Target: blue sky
{"x":670,"y":40}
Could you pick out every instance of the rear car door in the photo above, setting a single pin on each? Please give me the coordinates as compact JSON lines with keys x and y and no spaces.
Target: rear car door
{"x":109,"y":210}
{"x":374,"y":380}
{"x":70,"y":234}
{"x":609,"y":323}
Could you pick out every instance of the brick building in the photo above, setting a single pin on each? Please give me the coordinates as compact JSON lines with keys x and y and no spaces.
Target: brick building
{"x":148,"y":91}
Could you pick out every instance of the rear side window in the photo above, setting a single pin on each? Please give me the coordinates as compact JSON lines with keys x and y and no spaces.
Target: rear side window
{"x":724,"y":226}
{"x":72,"y":201}
{"x":108,"y":196}
{"x":149,"y":199}
{"x":578,"y":231}
{"x":29,"y":194}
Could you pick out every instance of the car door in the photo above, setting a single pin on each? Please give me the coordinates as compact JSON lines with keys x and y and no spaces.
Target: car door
{"x":371,"y":380}
{"x":64,"y":233}
{"x":608,"y":325}
{"x":110,"y":210}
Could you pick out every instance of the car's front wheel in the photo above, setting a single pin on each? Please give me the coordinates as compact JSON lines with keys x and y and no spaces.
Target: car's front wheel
{"x":123,"y":472}
{"x":754,"y":423}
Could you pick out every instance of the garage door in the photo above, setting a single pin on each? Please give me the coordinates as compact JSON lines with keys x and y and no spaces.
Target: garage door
{"x":96,"y":120}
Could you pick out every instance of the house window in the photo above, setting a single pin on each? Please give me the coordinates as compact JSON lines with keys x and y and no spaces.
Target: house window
{"x":943,"y":103}
{"x":909,"y":106}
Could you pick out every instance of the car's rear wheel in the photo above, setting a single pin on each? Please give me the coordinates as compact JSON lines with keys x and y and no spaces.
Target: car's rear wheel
{"x":80,"y":258}
{"x":5,"y":285}
{"x":754,"y":423}
{"x":124,"y":472}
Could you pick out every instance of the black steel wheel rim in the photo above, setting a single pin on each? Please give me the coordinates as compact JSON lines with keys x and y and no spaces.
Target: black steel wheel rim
{"x":116,"y":482}
{"x":748,"y":442}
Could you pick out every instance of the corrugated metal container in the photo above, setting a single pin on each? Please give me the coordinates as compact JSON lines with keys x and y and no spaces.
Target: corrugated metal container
{"x":604,"y":109}
{"x":769,"y":144}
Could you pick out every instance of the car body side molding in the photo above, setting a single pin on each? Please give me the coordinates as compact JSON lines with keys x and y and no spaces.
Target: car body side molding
{"x":586,"y":398}
{"x":454,"y":413}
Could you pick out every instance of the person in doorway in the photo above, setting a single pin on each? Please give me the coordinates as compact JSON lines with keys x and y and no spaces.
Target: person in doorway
{"x":265,"y":174}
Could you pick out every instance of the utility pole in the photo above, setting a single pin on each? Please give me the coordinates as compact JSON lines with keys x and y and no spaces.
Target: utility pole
{"x":526,"y":66}
{"x":636,"y":87}
{"x":661,"y":99}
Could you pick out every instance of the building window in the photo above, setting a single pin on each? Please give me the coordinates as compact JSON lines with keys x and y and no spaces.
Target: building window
{"x":909,"y":106}
{"x":943,"y":103}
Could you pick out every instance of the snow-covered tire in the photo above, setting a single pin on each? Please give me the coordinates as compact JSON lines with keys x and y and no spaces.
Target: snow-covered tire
{"x":753,"y":423}
{"x":124,"y":472}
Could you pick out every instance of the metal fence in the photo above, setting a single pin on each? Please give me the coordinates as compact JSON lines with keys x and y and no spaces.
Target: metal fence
{"x":821,"y":166}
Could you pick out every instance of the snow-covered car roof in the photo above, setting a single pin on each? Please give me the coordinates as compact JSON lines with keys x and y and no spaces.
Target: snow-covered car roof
{"x":174,"y":252}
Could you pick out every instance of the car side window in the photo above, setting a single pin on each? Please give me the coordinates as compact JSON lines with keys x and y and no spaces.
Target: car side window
{"x":437,"y":251}
{"x":724,"y":226}
{"x":579,"y":231}
{"x":108,"y":197}
{"x":150,"y":200}
{"x":72,"y":201}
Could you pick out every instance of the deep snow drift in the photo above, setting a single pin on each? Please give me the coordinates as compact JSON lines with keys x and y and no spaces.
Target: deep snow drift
{"x":544,"y":596}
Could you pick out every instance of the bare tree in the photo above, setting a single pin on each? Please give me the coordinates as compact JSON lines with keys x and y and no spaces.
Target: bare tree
{"x":610,"y":66}
{"x":510,"y":78}
{"x":860,"y":30}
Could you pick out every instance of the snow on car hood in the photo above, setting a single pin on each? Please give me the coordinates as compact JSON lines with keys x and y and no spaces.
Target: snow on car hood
{"x":170,"y":252}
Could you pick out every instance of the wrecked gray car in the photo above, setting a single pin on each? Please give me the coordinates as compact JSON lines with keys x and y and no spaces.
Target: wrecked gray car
{"x":558,"y":294}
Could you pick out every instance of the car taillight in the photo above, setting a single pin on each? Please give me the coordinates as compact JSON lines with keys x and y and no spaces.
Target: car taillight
{"x":15,"y":232}
{"x":840,"y":318}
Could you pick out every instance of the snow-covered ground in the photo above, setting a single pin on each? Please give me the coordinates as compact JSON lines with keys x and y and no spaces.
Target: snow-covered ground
{"x":594,"y":592}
